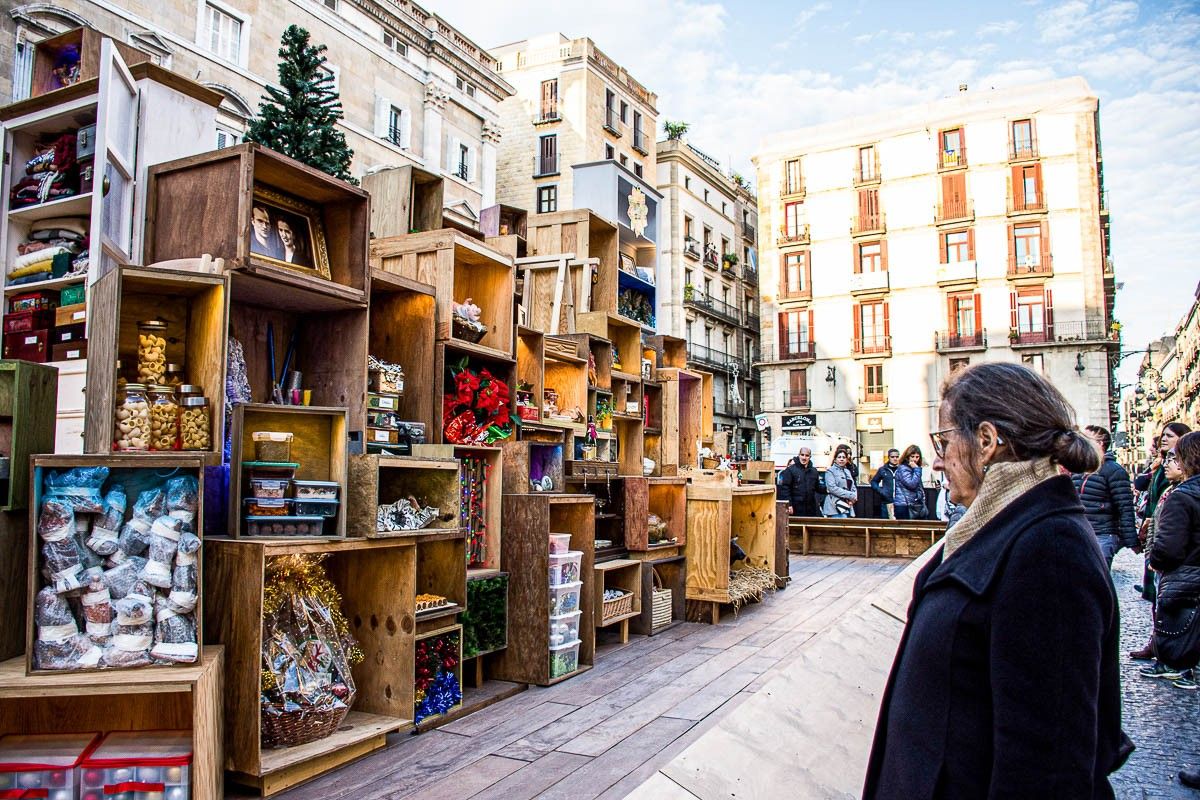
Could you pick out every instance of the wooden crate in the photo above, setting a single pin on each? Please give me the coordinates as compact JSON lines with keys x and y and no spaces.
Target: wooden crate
{"x":458,"y":268}
{"x":672,"y":351}
{"x":525,"y":460}
{"x":195,"y":307}
{"x":136,"y":473}
{"x":28,"y":407}
{"x":404,"y":200}
{"x":530,"y":357}
{"x":666,"y":497}
{"x":204,"y":203}
{"x":753,"y":523}
{"x":493,"y":494}
{"x":629,"y":446}
{"x":682,"y":415}
{"x":505,"y":228}
{"x":626,"y":339}
{"x":863,"y":536}
{"x":374,"y":480}
{"x":624,"y":574}
{"x":554,"y":290}
{"x":709,"y":520}
{"x":587,"y":236}
{"x":318,"y":446}
{"x":86,"y":41}
{"x":478,"y":587}
{"x":149,"y":699}
{"x":616,"y":507}
{"x":672,"y":572}
{"x":706,"y":408}
{"x":529,"y":521}
{"x":568,"y":376}
{"x":376,"y":579}
{"x":446,"y":630}
{"x":441,"y":570}
{"x":401,"y":330}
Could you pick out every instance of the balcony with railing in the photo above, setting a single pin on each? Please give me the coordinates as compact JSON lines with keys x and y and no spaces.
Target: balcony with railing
{"x":1026,"y":204}
{"x":793,"y":190}
{"x":796,"y":398}
{"x":1104,"y":209}
{"x":749,"y":274}
{"x":547,"y":116}
{"x":545,"y":165}
{"x":751,"y":321}
{"x":867,"y":174}
{"x":788,"y":352}
{"x":639,"y":141}
{"x":873,"y":346}
{"x":797,"y":234}
{"x":863,"y":282}
{"x":953,"y":159}
{"x":711,"y":306}
{"x":954,"y":211}
{"x":957,"y":272}
{"x":708,"y":357}
{"x":953,"y":341}
{"x":864,"y":224}
{"x":1022,"y":149}
{"x":872,"y":395}
{"x":1090,"y":330}
{"x":1029,"y":267}
{"x":710,"y":257}
{"x":611,"y":118}
{"x":749,"y":232}
{"x":691,"y":248}
{"x":461,"y":171}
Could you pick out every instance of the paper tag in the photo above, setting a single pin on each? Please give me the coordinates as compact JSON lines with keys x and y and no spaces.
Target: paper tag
{"x":94,"y":598}
{"x":81,"y":314}
{"x":99,"y":630}
{"x":383,"y":402}
{"x":185,"y":516}
{"x":132,"y":642}
{"x":56,"y":633}
{"x":160,"y":528}
{"x":31,"y":340}
{"x":382,"y":436}
{"x":66,"y":337}
{"x":73,"y":354}
{"x":185,"y":650}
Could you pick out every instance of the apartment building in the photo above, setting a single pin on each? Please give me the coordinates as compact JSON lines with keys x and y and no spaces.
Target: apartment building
{"x":902,"y":246}
{"x":414,"y":89}
{"x":707,"y":281}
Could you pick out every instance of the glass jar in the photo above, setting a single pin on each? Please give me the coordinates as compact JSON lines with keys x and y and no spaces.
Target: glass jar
{"x":188,"y":390}
{"x":152,"y":351}
{"x":195,"y":423}
{"x":174,"y":377}
{"x":164,"y":419}
{"x":120,"y":378}
{"x":131,"y":430}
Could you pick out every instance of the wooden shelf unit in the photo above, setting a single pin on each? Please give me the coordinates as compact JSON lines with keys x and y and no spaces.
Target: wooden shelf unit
{"x":402,"y":330}
{"x":616,"y":505}
{"x":716,"y":514}
{"x":435,"y":632}
{"x":671,"y":352}
{"x":376,"y":579}
{"x":493,"y":458}
{"x":530,"y":358}
{"x":28,"y":399}
{"x":195,"y":307}
{"x":672,"y":571}
{"x":624,"y":574}
{"x":666,"y":497}
{"x":458,"y":268}
{"x":505,"y":228}
{"x":567,"y":376}
{"x":682,"y":419}
{"x":529,"y":521}
{"x":375,"y":480}
{"x":87,"y":43}
{"x":441,"y":569}
{"x":404,"y":200}
{"x":525,"y":460}
{"x":149,"y":699}
{"x":318,"y":446}
{"x":625,"y":336}
{"x":208,"y":199}
{"x":707,"y":398}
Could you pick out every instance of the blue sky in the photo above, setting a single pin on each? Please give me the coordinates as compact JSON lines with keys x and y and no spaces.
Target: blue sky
{"x":737,"y":71}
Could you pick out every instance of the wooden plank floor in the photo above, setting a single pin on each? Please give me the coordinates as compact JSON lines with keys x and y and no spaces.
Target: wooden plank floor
{"x":603,"y":733}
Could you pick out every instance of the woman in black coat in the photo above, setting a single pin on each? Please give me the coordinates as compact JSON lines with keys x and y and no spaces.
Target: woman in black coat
{"x":1006,"y":681}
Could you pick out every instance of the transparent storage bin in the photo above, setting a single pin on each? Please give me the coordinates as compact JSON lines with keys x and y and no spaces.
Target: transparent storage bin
{"x":559,"y":543}
{"x":565,"y":567}
{"x":564,"y":599}
{"x":140,"y":765}
{"x":43,"y":765}
{"x":564,"y":659}
{"x":564,"y":628}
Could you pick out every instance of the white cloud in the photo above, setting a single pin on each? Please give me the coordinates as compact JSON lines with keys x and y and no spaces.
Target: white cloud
{"x":999,"y":28}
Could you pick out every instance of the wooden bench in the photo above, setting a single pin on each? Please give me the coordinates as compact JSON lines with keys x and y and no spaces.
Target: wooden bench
{"x":873,"y":538}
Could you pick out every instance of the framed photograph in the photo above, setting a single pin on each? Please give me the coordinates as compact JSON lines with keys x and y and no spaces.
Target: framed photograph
{"x":288,"y":232}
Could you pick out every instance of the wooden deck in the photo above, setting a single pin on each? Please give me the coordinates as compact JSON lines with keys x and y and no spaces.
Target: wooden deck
{"x":603,"y":733}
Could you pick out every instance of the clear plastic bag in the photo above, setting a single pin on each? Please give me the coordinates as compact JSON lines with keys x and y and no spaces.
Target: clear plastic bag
{"x":59,"y":643}
{"x":80,"y":486}
{"x":183,"y":499}
{"x":107,"y":526}
{"x":164,"y":541}
{"x":174,"y":636}
{"x":184,"y":588}
{"x":60,"y":552}
{"x":134,"y":538}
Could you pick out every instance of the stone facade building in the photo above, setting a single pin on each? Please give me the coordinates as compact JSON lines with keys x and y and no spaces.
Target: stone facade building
{"x":414,"y":90}
{"x":573,"y":105}
{"x":707,"y":282}
{"x":901,"y":246}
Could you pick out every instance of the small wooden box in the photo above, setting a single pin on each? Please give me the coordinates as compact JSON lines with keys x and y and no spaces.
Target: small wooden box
{"x":455,"y":632}
{"x":28,"y":346}
{"x":70,"y":315}
{"x":378,"y":479}
{"x":86,"y":42}
{"x":69,"y":351}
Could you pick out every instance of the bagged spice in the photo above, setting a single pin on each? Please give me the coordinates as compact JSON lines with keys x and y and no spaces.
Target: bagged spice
{"x":107,"y":527}
{"x":182,"y":598}
{"x":59,"y":643}
{"x":60,"y":551}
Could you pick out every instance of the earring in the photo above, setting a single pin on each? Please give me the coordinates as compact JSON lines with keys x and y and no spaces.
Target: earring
{"x":986,"y":467}
{"x":999,"y":440}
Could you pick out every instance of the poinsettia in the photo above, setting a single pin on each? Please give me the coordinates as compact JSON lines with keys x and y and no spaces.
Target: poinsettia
{"x":477,"y":411}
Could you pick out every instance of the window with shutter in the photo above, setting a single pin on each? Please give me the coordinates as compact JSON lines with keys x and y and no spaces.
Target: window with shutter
{"x":383,"y":108}
{"x":954,"y":196}
{"x":1021,"y":141}
{"x":548,"y":161}
{"x":791,"y":177}
{"x":550,"y":100}
{"x":956,"y":247}
{"x":1027,"y":248}
{"x":795,"y":274}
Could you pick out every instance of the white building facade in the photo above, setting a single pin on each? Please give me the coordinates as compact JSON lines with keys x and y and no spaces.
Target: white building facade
{"x":899,"y":247}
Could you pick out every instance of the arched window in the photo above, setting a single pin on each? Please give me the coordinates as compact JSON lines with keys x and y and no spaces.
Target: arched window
{"x":35,"y":22}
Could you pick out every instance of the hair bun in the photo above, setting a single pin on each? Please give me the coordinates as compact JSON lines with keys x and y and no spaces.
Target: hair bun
{"x":1076,"y":452}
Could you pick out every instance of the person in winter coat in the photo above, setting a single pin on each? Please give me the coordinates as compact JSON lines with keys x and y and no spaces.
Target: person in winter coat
{"x":910,"y":489}
{"x":1006,"y":682}
{"x":798,"y":485}
{"x":948,"y":511}
{"x":1153,"y":482}
{"x":840,"y":486}
{"x":884,"y":484}
{"x":1108,"y":499}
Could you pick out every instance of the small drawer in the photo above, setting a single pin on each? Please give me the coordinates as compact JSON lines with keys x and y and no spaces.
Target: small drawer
{"x":69,"y":351}
{"x":28,"y":346}
{"x":267,"y":507}
{"x":32,"y":320}
{"x":284,"y":526}
{"x":70,"y":315}
{"x":69,"y":334}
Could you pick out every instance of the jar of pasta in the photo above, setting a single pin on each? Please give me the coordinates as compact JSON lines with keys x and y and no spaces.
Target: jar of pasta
{"x":132,"y":419}
{"x":195,"y":423}
{"x":164,"y":418}
{"x":152,"y":351}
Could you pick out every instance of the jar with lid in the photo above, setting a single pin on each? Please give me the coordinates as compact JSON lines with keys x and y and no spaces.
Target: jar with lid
{"x":132,"y":419}
{"x":164,"y":418}
{"x":189,"y":390}
{"x":174,"y":377}
{"x":120,"y":378}
{"x":152,"y":351}
{"x":195,"y":423}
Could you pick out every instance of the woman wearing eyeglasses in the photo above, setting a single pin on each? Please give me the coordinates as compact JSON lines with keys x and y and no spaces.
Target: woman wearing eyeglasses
{"x":1006,"y":681}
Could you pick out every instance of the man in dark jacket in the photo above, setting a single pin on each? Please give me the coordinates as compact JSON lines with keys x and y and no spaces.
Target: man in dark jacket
{"x":1108,"y":499}
{"x":798,"y":485}
{"x":884,"y":484}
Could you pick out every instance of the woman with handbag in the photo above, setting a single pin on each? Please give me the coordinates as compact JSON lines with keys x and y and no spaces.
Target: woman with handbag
{"x":910,"y":486}
{"x":841,"y":492}
{"x":1006,"y":681}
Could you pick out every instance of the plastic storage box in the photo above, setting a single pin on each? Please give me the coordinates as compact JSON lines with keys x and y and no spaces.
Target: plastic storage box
{"x":284,"y":526}
{"x":564,"y":659}
{"x":268,"y":488}
{"x":564,"y":599}
{"x":45,"y":765}
{"x":267,"y":507}
{"x":272,"y":445}
{"x":564,"y":567}
{"x":564,"y":628}
{"x":316,"y":508}
{"x":139,"y":765}
{"x":315,"y":490}
{"x":559,"y":543}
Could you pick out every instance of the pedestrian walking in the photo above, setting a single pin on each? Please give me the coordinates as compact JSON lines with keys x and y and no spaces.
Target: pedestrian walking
{"x":1153,"y":482}
{"x":910,"y":485}
{"x":840,"y":486}
{"x":798,"y":485}
{"x":1006,"y":682}
{"x":1107,"y":498}
{"x":884,"y":484}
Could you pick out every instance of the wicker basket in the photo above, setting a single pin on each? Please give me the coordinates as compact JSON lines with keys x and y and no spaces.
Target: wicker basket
{"x":660,"y":605}
{"x":282,"y":728}
{"x":466,"y":331}
{"x":617,"y":607}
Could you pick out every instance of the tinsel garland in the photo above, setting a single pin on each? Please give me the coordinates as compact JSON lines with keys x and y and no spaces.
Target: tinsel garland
{"x":437,"y":686}
{"x":303,"y":575}
{"x":441,"y":696}
{"x":473,"y":485}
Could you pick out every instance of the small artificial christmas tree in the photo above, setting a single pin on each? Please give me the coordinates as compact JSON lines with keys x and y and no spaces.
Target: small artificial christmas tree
{"x":300,"y":119}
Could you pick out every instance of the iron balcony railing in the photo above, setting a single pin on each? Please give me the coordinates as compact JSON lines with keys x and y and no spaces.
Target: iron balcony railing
{"x":953,"y":159}
{"x":749,"y":274}
{"x":872,"y":394}
{"x":749,"y":232}
{"x":795,"y":398}
{"x":610,"y":121}
{"x":873,"y":344}
{"x":639,"y":142}
{"x":713,"y":307}
{"x":945,"y":341}
{"x":797,"y":234}
{"x":703,"y":354}
{"x":545,"y":165}
{"x":791,"y":351}
{"x":710,"y":257}
{"x":868,"y":223}
{"x":1027,"y":266}
{"x":953,"y":210}
{"x":750,"y":321}
{"x":690,"y":248}
{"x":1022,"y":149}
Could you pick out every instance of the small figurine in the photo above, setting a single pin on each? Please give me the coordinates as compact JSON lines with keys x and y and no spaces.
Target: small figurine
{"x":591,"y":430}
